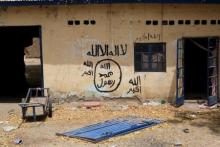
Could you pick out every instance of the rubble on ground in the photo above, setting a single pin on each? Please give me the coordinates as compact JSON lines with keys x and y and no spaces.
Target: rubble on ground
{"x":9,"y":128}
{"x":75,"y":113}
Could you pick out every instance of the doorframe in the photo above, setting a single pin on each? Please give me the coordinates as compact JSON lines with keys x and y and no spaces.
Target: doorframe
{"x":180,"y":101}
{"x":40,"y":44}
{"x":207,"y":90}
{"x":41,"y":56}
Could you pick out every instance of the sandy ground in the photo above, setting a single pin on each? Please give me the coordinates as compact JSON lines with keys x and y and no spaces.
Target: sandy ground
{"x":203,"y":126}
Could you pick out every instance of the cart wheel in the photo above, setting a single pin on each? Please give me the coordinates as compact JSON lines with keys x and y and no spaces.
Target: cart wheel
{"x":24,"y":109}
{"x":50,"y":109}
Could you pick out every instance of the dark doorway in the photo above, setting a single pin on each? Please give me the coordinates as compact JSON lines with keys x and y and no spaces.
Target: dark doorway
{"x":196,"y":68}
{"x":15,"y":73}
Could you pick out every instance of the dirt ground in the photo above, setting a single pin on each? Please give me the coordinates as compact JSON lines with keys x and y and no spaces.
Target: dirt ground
{"x":203,"y":125}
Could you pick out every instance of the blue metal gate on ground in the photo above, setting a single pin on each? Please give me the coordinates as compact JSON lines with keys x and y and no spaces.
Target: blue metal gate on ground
{"x":110,"y":128}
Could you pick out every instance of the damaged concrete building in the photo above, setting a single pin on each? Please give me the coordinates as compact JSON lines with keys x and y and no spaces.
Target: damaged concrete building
{"x":114,"y":48}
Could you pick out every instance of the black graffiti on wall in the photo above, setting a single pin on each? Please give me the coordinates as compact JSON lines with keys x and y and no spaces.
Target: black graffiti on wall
{"x":107,"y":75}
{"x":136,"y":85}
{"x":149,"y":36}
{"x":89,"y":65}
{"x":98,"y":50}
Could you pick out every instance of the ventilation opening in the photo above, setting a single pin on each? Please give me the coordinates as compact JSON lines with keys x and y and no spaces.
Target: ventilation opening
{"x":187,"y":22}
{"x":20,"y":60}
{"x":164,"y":22}
{"x":180,"y":22}
{"x":197,"y":22}
{"x":204,"y":22}
{"x":171,"y":22}
{"x":155,"y":22}
{"x":196,"y":68}
{"x":148,"y":22}
{"x":213,"y":22}
{"x":86,"y":22}
{"x":93,"y":22}
{"x":77,"y":22}
{"x":70,"y":22}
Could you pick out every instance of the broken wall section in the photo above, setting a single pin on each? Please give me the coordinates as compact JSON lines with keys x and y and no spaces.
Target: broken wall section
{"x":33,"y":51}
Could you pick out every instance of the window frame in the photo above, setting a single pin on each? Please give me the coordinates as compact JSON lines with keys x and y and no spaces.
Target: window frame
{"x":150,"y":69}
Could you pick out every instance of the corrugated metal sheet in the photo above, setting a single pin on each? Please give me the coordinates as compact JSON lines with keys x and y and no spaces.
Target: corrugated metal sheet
{"x":66,"y":2}
{"x":110,"y":128}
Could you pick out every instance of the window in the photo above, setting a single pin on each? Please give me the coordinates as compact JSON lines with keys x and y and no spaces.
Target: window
{"x":150,"y":57}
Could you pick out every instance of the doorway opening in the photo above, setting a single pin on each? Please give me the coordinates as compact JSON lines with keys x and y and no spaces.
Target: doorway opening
{"x":20,"y":60}
{"x":196,"y":68}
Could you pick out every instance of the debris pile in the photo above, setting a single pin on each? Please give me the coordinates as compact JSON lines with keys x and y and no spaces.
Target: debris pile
{"x":102,"y":112}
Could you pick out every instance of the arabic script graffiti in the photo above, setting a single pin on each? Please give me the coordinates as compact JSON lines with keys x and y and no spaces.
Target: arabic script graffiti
{"x":136,"y":85}
{"x":107,"y":75}
{"x":89,"y":71}
{"x":104,"y":50}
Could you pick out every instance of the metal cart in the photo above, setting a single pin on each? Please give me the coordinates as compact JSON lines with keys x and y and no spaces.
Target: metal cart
{"x":37,"y":97}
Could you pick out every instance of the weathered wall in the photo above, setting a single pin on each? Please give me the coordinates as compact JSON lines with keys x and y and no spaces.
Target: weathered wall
{"x":67,"y":48}
{"x":33,"y":51}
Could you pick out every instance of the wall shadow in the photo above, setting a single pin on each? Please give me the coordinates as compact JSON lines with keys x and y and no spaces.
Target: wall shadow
{"x":209,"y":119}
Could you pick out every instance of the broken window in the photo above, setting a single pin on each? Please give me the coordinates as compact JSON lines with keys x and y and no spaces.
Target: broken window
{"x":150,"y":57}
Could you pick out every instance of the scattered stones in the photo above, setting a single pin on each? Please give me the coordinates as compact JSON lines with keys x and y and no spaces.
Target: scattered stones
{"x":213,"y":107}
{"x":124,"y":107}
{"x":57,"y":97}
{"x":12,"y":111}
{"x":85,"y":98}
{"x":18,"y":141}
{"x":72,"y":94}
{"x":186,"y":115}
{"x":192,"y":116}
{"x":151,"y":103}
{"x":9,"y":128}
{"x":164,"y":134}
{"x":118,"y":107}
{"x":3,"y":122}
{"x":74,"y":108}
{"x":186,"y":130}
{"x":205,"y":106}
{"x":91,"y":104}
{"x":163,"y":102}
{"x":177,"y":143}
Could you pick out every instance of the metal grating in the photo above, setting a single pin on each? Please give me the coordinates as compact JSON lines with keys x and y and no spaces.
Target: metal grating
{"x":104,"y":130}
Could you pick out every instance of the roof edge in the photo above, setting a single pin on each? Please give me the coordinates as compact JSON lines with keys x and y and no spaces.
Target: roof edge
{"x":75,"y":2}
